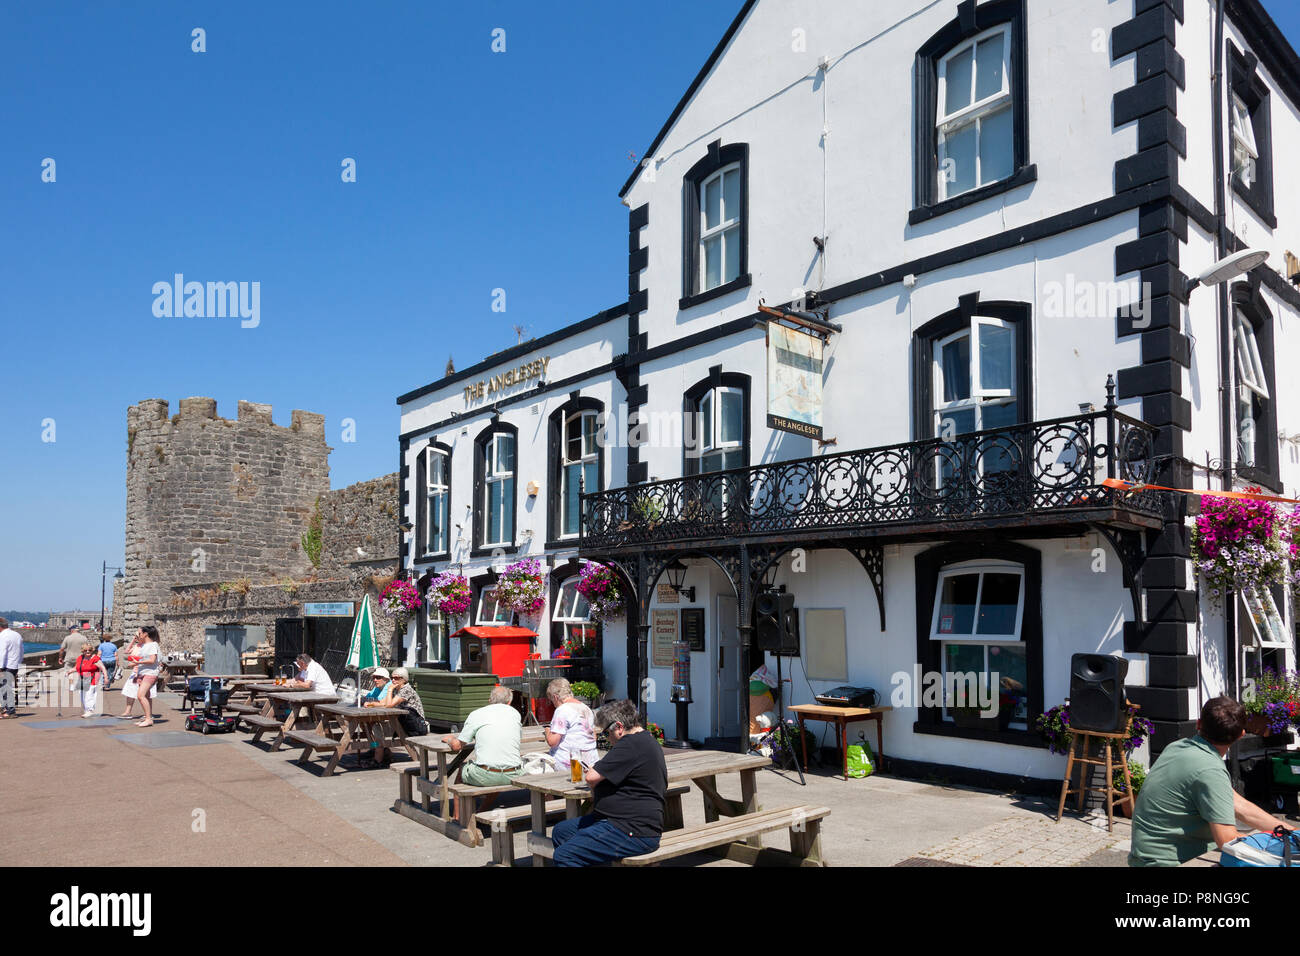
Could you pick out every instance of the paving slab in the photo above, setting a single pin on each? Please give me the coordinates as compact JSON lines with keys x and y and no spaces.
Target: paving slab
{"x":163,"y":739}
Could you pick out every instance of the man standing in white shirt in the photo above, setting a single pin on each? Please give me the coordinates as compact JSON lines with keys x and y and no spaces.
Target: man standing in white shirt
{"x":11,"y":658}
{"x":311,"y":676}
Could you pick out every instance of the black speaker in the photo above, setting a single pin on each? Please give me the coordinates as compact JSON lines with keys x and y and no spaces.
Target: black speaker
{"x":777,"y":622}
{"x":1097,"y":692}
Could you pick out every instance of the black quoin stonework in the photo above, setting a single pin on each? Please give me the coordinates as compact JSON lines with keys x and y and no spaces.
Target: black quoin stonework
{"x":1164,"y":631}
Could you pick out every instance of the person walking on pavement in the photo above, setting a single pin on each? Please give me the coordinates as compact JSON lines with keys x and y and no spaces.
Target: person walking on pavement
{"x":11,"y":658}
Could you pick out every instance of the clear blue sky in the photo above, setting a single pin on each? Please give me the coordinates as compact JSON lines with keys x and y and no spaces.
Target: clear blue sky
{"x":475,"y":171}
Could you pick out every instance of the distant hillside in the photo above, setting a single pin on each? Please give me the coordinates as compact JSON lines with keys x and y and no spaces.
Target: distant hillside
{"x":36,"y":617}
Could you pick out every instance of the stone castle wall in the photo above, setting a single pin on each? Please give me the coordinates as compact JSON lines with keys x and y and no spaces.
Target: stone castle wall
{"x":363,"y":515}
{"x":211,"y":499}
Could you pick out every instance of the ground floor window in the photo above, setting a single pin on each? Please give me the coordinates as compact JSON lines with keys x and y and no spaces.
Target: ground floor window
{"x":977,"y":619}
{"x":434,"y":649}
{"x":489,"y":610}
{"x":571,"y":623}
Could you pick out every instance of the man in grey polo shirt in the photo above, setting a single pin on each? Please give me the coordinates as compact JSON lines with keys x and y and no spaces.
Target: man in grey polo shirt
{"x":1187,"y":805}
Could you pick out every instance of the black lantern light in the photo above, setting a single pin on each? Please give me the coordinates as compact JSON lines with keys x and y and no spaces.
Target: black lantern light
{"x":676,"y":575}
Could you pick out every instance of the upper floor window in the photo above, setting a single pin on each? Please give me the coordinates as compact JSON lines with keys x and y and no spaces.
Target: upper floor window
{"x":972,"y":369}
{"x":971,"y":113}
{"x":975,"y":378}
{"x":974,"y":123}
{"x":716,"y":429}
{"x":715,"y":224}
{"x":720,"y":228}
{"x":437,"y":500}
{"x":1250,"y":135}
{"x":577,"y":461}
{"x":722,"y":429}
{"x":1245,"y":153}
{"x":499,"y":493}
{"x":495,"y":487}
{"x":1254,"y":403}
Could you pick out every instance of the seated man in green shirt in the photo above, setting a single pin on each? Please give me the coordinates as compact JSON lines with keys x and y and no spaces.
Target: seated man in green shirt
{"x":494,"y":732}
{"x":1187,"y":805}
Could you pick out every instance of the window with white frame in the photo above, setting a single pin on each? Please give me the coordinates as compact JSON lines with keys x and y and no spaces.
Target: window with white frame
{"x":581,"y":463}
{"x":1245,"y":151}
{"x":720,"y":232}
{"x":975,"y":122}
{"x":437,"y":493}
{"x":572,"y":617}
{"x":978,"y":612}
{"x":490,"y":612}
{"x":975,"y":385}
{"x":435,"y":637}
{"x":1252,"y":389}
{"x":499,"y":489}
{"x":722,"y":429}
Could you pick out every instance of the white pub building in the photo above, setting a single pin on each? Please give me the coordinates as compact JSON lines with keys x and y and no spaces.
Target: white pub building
{"x":907,"y":283}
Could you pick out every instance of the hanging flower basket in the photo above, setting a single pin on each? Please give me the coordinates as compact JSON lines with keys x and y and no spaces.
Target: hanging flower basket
{"x":1241,"y":544}
{"x":449,"y":593}
{"x":522,"y":587}
{"x":400,"y":599}
{"x":598,"y":583}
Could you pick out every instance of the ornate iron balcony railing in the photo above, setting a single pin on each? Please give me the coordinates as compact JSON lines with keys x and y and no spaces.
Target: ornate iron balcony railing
{"x":1033,"y":470}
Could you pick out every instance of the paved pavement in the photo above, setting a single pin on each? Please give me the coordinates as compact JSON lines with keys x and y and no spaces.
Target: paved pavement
{"x":221,"y":800}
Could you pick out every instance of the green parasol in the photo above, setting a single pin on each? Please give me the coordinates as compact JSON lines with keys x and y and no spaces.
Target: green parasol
{"x":363,"y":654}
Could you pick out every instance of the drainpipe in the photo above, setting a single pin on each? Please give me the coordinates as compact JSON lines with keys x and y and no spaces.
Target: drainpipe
{"x":1226,"y":441}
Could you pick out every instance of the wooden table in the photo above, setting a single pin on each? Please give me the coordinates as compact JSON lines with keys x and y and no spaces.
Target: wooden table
{"x":446,"y":762}
{"x":841,"y":717}
{"x":699,"y":767}
{"x":301,"y":703}
{"x":364,"y":728}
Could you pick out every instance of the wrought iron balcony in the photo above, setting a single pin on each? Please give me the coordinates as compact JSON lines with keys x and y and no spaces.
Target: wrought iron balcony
{"x":1037,"y":473}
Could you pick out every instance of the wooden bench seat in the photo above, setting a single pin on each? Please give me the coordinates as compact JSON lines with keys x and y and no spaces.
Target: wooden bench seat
{"x":261,"y":724}
{"x":803,"y":822}
{"x":310,"y":742}
{"x":504,"y":823}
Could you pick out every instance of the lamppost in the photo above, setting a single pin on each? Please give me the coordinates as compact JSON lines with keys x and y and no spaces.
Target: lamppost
{"x":103,"y":579}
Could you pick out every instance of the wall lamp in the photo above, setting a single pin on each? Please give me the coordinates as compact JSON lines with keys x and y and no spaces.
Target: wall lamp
{"x":676,"y":575}
{"x":1228,"y":268}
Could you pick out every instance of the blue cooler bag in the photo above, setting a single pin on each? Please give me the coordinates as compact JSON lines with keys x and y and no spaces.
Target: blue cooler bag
{"x":1279,"y":848}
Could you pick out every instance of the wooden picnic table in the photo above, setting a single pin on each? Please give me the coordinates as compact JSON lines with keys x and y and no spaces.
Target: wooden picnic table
{"x":301,"y":704}
{"x":841,"y":717}
{"x":698,"y":767}
{"x":446,"y":763}
{"x":363,"y":728}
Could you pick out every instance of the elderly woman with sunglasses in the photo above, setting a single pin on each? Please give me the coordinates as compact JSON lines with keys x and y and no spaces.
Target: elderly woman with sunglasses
{"x":400,"y":694}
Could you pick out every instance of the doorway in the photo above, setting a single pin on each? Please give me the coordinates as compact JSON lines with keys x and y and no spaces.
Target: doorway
{"x":727,"y":680}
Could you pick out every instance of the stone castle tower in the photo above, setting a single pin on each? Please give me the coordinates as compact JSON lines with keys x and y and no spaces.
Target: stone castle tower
{"x":210,"y":499}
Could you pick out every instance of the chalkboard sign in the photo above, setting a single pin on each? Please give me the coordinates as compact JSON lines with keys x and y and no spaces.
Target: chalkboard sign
{"x":693,"y":627}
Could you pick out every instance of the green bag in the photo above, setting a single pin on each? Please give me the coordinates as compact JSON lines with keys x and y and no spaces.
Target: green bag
{"x":861,"y":759}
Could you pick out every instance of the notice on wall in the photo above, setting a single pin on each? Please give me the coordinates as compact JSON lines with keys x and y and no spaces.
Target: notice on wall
{"x":794,"y":381}
{"x":663,"y":634}
{"x":666,"y":594}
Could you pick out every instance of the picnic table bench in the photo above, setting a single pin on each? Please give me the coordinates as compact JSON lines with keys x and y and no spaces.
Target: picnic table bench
{"x":364,"y":728}
{"x":301,"y":704}
{"x":738,"y":837}
{"x":461,"y":828}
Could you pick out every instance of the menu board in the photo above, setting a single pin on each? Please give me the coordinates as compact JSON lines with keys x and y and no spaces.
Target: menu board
{"x":663,"y":634}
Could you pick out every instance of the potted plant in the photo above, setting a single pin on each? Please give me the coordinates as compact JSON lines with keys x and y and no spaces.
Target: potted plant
{"x":1054,"y":727}
{"x":587,"y":692}
{"x":1240,"y":544}
{"x":783,"y":740}
{"x":450,"y":594}
{"x":598,"y":584}
{"x":1137,"y":775}
{"x":400,"y":600}
{"x":658,"y":732}
{"x":522,"y":587}
{"x":1273,"y":703}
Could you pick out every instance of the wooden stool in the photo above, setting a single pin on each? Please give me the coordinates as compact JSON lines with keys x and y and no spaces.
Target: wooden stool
{"x":1082,"y":740}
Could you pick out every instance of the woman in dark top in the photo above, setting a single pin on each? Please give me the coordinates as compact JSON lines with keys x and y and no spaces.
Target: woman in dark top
{"x":628,"y":787}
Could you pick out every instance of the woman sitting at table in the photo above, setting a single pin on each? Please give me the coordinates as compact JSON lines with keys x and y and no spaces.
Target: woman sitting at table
{"x":572,"y":733}
{"x":379,"y":689}
{"x":402,"y":695}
